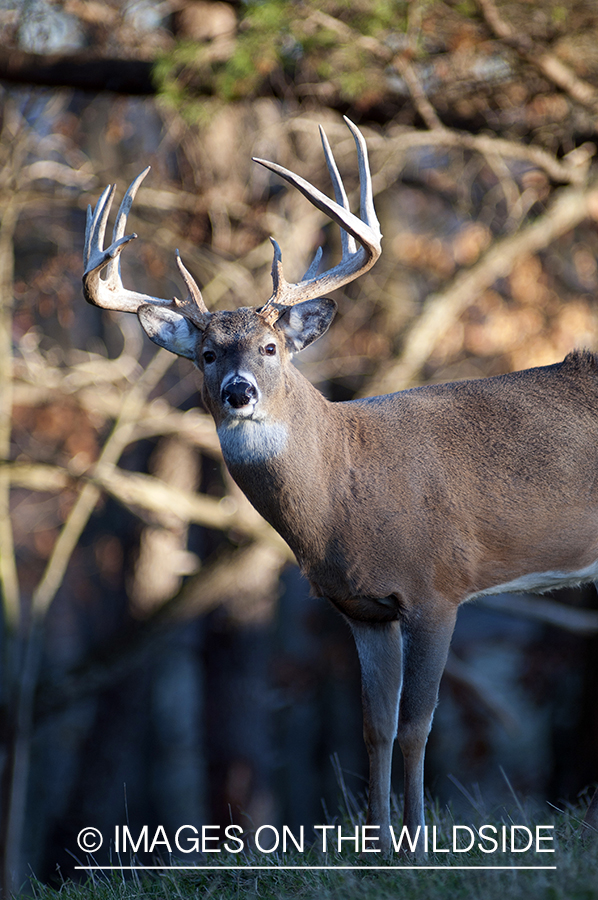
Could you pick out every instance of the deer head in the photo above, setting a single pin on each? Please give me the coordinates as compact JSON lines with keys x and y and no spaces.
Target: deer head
{"x":244,"y":353}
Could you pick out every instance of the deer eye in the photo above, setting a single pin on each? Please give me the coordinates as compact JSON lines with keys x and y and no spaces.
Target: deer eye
{"x":269,"y":350}
{"x":209,"y":356}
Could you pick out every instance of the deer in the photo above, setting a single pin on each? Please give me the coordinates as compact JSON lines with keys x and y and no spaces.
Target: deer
{"x":398,"y":508}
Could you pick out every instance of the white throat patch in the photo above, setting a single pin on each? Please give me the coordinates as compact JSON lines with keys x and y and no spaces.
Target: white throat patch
{"x":251,"y":441}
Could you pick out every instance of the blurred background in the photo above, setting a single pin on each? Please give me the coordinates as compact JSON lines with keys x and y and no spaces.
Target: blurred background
{"x":162,"y":660}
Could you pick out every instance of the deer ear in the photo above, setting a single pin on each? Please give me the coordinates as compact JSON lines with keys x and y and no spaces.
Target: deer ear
{"x":305,"y":322}
{"x":169,"y":329}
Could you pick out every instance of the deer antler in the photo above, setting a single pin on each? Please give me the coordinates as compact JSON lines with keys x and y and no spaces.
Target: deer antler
{"x":365,"y":230}
{"x":109,"y":292}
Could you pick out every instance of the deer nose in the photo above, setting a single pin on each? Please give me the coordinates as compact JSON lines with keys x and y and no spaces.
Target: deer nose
{"x":239,"y":393}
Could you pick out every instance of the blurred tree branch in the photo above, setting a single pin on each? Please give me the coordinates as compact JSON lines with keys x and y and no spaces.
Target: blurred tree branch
{"x":122,"y":76}
{"x":14,"y":138}
{"x":148,"y":495}
{"x":8,"y":571}
{"x":548,"y":64}
{"x":121,"y":435}
{"x":398,"y":139}
{"x":543,"y":609}
{"x":571,"y":206}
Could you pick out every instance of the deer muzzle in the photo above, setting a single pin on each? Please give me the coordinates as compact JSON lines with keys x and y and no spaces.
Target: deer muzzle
{"x":238,"y":393}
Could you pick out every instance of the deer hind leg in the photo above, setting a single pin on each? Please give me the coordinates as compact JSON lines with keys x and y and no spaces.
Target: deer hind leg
{"x":426,"y":643}
{"x":379,"y":650}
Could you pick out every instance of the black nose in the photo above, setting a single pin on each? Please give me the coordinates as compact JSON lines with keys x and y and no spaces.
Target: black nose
{"x":239,"y":393}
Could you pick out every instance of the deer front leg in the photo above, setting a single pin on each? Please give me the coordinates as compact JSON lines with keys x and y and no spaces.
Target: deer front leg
{"x":427,"y":637}
{"x":379,"y":650}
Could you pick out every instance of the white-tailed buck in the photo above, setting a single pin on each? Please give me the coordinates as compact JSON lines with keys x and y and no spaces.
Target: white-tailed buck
{"x":398,"y":508}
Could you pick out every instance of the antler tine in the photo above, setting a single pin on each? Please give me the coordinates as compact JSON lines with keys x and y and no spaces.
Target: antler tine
{"x":96,"y":222}
{"x":193,"y":305}
{"x":121,"y":220}
{"x":365,"y":230}
{"x":347,"y":240}
{"x":109,"y":292}
{"x":312,"y":269}
{"x":366,"y":191}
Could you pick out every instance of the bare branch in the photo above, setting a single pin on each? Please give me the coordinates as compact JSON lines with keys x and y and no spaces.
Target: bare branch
{"x":36,"y":476}
{"x":156,"y":417}
{"x":87,"y":499}
{"x":162,"y":500}
{"x":348,"y":34}
{"x":58,"y":172}
{"x":402,"y":139}
{"x":548,"y":64}
{"x":8,"y":570}
{"x":418,"y":95}
{"x":146,"y":494}
{"x":441,"y":310}
{"x":571,"y":170}
{"x":542,"y":609}
{"x":462,"y":674}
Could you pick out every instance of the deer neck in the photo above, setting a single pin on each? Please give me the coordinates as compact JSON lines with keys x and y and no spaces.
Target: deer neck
{"x":282,"y":461}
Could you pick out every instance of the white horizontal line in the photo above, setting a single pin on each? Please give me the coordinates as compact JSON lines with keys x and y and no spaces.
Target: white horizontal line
{"x":287,"y":868}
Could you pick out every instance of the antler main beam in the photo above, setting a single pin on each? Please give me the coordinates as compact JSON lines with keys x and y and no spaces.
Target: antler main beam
{"x":365,"y":231}
{"x":109,"y":292}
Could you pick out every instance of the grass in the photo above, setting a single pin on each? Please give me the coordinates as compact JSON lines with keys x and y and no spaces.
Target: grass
{"x":575,"y":877}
